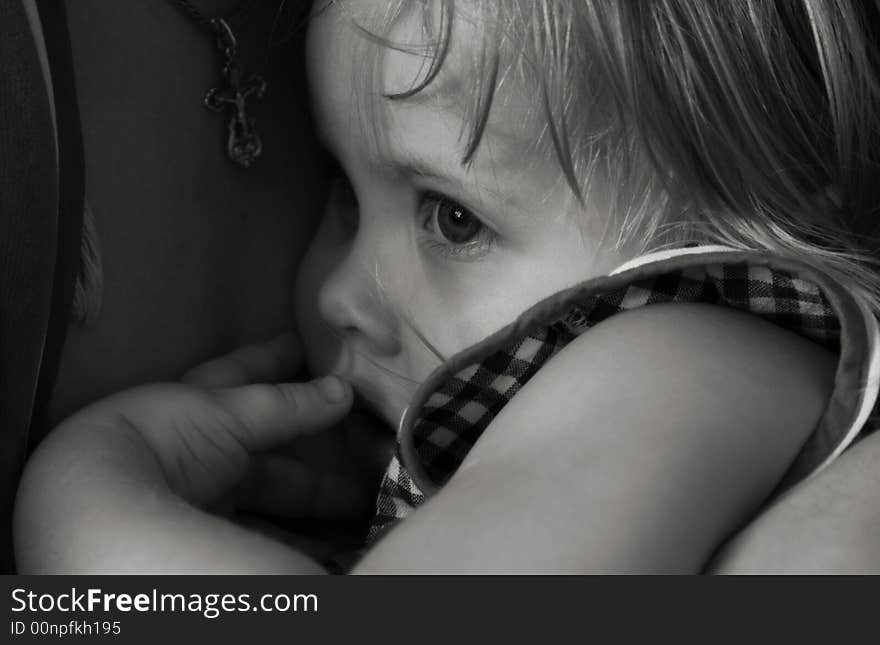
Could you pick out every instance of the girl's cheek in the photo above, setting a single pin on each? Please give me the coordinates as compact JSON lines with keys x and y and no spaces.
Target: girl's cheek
{"x":460,"y":318}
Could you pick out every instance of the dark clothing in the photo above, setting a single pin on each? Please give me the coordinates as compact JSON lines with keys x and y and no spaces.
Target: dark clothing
{"x":41,"y":203}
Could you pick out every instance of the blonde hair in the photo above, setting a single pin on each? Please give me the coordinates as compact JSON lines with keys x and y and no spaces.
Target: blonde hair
{"x":750,"y":123}
{"x":88,"y":293}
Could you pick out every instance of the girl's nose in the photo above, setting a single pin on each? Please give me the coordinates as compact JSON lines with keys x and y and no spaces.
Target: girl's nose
{"x":351,"y":299}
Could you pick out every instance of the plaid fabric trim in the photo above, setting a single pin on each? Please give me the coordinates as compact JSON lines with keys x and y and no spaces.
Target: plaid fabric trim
{"x":776,"y":296}
{"x":455,"y":415}
{"x":398,"y":495}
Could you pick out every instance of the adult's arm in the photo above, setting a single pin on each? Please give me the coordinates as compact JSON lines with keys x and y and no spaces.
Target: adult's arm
{"x":827,"y":524}
{"x":122,"y":486}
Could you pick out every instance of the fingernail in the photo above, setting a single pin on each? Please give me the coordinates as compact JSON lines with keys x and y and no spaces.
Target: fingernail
{"x":333,"y":389}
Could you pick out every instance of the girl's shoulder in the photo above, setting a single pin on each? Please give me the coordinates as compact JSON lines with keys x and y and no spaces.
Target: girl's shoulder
{"x":764,"y":341}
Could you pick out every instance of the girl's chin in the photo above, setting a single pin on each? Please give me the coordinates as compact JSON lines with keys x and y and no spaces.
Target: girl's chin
{"x":367,"y":419}
{"x":381,"y":410}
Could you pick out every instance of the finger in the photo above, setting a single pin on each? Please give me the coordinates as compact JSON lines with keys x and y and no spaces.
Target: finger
{"x":269,"y":362}
{"x":285,"y":487}
{"x":269,"y":415}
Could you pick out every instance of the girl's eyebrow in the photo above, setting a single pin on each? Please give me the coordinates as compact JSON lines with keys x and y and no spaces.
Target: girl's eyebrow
{"x":407,"y":163}
{"x":507,"y":150}
{"x":410,"y":163}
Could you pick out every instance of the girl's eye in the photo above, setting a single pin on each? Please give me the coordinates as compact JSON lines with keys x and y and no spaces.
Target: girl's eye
{"x":454,"y":222}
{"x":454,"y":231}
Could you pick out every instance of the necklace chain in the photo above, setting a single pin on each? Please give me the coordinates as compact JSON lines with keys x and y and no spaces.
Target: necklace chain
{"x":239,"y":13}
{"x":243,"y":144}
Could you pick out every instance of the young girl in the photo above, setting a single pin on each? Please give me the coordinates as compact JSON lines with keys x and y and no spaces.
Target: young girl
{"x":604,"y":265}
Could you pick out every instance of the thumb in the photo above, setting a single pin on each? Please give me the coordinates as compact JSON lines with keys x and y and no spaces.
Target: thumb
{"x":272,"y":414}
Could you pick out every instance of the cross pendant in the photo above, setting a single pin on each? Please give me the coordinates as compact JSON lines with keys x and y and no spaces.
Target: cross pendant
{"x":243,"y":144}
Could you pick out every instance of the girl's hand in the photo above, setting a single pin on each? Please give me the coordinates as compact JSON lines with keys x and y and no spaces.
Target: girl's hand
{"x":331,"y":475}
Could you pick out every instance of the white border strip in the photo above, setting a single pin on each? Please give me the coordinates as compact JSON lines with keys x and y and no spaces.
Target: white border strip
{"x":659,"y":256}
{"x":869,"y":392}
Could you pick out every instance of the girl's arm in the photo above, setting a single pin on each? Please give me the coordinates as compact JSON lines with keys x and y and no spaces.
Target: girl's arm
{"x":639,"y":448}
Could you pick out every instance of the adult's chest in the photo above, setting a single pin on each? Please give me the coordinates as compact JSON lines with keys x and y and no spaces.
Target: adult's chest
{"x":198,"y":254}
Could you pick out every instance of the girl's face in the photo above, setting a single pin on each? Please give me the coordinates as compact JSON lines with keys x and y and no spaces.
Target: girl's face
{"x":418,"y":255}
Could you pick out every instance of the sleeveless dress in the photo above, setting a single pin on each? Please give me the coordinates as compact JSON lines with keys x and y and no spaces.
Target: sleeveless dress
{"x":458,"y":401}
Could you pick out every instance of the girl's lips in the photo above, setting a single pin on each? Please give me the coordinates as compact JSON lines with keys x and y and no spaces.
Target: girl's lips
{"x":377,"y":394}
